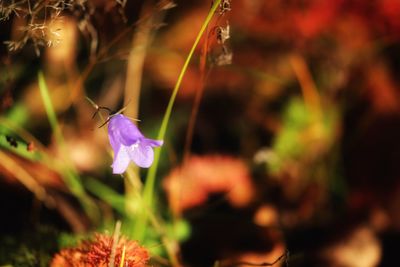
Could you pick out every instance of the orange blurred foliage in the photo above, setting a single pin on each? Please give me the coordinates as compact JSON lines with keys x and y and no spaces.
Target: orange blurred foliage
{"x":190,"y":185}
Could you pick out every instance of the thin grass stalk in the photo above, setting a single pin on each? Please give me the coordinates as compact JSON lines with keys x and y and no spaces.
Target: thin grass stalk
{"x":121,"y":264}
{"x":71,"y":178}
{"x":307,"y":85}
{"x":114,"y":243}
{"x":148,"y":192}
{"x":197,"y":100}
{"x":76,"y":90}
{"x":140,"y":41}
{"x":150,"y":179}
{"x":157,"y":225}
{"x":51,"y":115}
{"x":199,"y":93}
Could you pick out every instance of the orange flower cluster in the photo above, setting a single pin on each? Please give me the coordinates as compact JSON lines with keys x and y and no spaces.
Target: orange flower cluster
{"x":97,"y":253}
{"x":191,"y":184}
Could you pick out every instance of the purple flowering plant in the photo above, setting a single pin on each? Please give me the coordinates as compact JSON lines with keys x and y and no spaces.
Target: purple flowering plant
{"x":129,"y":144}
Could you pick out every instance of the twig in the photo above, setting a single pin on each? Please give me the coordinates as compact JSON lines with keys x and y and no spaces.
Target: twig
{"x":284,"y":256}
{"x":115,"y":243}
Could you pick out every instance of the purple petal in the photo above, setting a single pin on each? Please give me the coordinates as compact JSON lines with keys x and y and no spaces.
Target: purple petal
{"x":114,"y":138}
{"x":142,"y":154}
{"x":129,"y":143}
{"x":123,"y":131}
{"x":152,"y":142}
{"x":121,"y":160}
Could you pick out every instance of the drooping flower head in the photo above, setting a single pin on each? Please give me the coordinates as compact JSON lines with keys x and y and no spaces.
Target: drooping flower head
{"x":129,"y":144}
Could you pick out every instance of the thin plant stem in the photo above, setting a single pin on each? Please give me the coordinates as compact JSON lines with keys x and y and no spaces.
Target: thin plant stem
{"x":76,"y":90}
{"x":150,"y":179}
{"x":148,"y":192}
{"x":199,"y":91}
{"x":117,"y":231}
{"x":197,"y":100}
{"x":307,"y":85}
{"x":140,"y":42}
{"x":71,"y":178}
{"x":284,"y":256}
{"x":157,"y":225}
{"x":51,"y":115}
{"x":121,"y":264}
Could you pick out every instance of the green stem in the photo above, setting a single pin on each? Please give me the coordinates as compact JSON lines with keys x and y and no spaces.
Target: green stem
{"x":150,"y":179}
{"x":148,"y":191}
{"x":69,"y":174}
{"x":49,"y":109}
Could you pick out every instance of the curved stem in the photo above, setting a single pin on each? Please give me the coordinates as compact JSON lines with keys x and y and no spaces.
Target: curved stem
{"x":148,"y":192}
{"x":150,"y":179}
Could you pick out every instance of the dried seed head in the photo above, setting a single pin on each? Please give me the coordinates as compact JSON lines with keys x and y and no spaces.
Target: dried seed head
{"x":224,"y":7}
{"x":224,"y":58}
{"x":223,"y":34}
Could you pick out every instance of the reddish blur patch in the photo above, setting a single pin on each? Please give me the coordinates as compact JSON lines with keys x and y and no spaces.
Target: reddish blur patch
{"x":190,"y":185}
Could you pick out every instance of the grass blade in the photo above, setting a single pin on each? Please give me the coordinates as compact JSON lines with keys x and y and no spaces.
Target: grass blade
{"x":148,"y":192}
{"x":69,"y":174}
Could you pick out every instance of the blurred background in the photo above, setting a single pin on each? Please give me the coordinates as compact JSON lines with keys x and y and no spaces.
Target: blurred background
{"x":284,"y":136}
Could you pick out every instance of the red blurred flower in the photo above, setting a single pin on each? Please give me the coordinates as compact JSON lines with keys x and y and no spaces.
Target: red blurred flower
{"x":190,"y":185}
{"x":97,"y":253}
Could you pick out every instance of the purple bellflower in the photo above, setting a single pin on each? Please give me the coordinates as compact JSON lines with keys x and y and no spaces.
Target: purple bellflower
{"x":129,"y":144}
